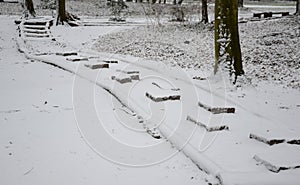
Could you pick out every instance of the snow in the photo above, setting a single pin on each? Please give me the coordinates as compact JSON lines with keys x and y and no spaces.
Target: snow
{"x":67,"y":123}
{"x":41,"y":141}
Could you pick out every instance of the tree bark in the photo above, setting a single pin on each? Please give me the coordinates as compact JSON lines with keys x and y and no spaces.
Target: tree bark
{"x":29,"y":6}
{"x":61,"y":9}
{"x":241,"y":3}
{"x":227,"y":44}
{"x":298,"y":7}
{"x":180,"y":2}
{"x":204,"y":11}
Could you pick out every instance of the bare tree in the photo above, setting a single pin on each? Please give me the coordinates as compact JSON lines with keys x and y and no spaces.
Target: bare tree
{"x":227,"y":44}
{"x":204,"y":11}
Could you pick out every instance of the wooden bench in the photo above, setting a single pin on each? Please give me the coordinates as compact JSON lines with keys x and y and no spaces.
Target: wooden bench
{"x":270,"y":14}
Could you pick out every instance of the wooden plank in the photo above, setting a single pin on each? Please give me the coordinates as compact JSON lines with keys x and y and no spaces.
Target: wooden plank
{"x":76,"y":59}
{"x":278,"y":158}
{"x":97,"y":65}
{"x":67,"y":53}
{"x":127,"y":72}
{"x":217,"y":110}
{"x":206,"y":127}
{"x":274,"y":139}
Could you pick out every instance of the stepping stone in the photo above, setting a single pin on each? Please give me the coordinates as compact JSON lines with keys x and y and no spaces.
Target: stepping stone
{"x":199,"y":78}
{"x":122,"y":80}
{"x":217,"y":110}
{"x":159,"y":95}
{"x":127,"y":72}
{"x":125,"y":78}
{"x":97,"y":65}
{"x":76,"y":59}
{"x":173,"y":89}
{"x":111,"y":61}
{"x":272,"y":139}
{"x":206,"y":127}
{"x":67,"y":53}
{"x":280,"y":157}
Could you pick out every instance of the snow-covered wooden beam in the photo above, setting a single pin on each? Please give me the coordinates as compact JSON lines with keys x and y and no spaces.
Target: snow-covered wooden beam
{"x":217,"y":110}
{"x":273,"y":141}
{"x":67,"y":53}
{"x":206,"y":127}
{"x":97,"y":65}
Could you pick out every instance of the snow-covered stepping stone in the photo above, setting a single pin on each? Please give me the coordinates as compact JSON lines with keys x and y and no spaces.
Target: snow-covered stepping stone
{"x":111,"y":61}
{"x":207,"y":127}
{"x":125,"y":78}
{"x":128,"y":72}
{"x":217,"y":110}
{"x":97,"y":65}
{"x":76,"y":59}
{"x":199,"y":78}
{"x":273,"y":137}
{"x":122,"y":79}
{"x":159,"y":94}
{"x":66,"y":53}
{"x":280,"y":157}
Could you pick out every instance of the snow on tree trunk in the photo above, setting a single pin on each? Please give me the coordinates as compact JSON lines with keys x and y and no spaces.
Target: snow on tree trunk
{"x":227,"y":44}
{"x":204,"y":11}
{"x":29,"y":6}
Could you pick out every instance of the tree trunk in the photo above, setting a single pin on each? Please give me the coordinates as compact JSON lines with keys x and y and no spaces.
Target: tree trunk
{"x":180,"y":2}
{"x":204,"y":11}
{"x":174,"y":2}
{"x":29,"y":6}
{"x":227,"y":44}
{"x":298,"y":7}
{"x":241,"y":3}
{"x":61,"y":9}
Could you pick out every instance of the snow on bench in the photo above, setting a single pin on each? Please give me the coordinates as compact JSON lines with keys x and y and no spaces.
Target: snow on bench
{"x":217,"y":110}
{"x":34,"y":31}
{"x":280,"y":157}
{"x":206,"y":127}
{"x":159,"y":94}
{"x":38,"y":27}
{"x":272,"y":138}
{"x":37,"y":35}
{"x":97,"y":65}
{"x":76,"y":59}
{"x":67,"y":53}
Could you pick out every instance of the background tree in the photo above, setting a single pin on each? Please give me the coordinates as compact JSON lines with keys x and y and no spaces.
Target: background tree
{"x":61,"y":9}
{"x":241,"y":3}
{"x":204,"y":11}
{"x":29,"y":6}
{"x":298,"y":7}
{"x":227,"y":44}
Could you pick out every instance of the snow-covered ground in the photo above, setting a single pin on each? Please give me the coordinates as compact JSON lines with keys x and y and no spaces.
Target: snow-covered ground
{"x":40,"y":141}
{"x":70,"y":124}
